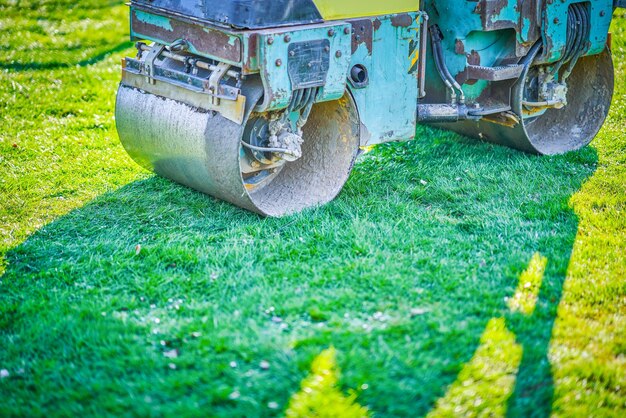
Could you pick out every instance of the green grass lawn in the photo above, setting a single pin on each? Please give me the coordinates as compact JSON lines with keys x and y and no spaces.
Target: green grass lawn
{"x":450,"y":276}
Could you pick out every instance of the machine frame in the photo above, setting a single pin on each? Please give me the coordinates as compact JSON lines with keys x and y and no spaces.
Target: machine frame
{"x":501,"y":70}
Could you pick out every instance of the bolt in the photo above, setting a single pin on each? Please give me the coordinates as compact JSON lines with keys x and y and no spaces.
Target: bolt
{"x":279,"y":62}
{"x":287,"y":38}
{"x":270,"y":41}
{"x":326,"y":48}
{"x":338,"y":54}
{"x":602,"y":13}
{"x":346,"y":30}
{"x":331,"y":32}
{"x":292,"y":53}
{"x":556,"y":20}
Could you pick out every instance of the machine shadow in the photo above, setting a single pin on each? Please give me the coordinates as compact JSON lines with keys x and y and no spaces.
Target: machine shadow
{"x":401,"y":274}
{"x":18,"y":66}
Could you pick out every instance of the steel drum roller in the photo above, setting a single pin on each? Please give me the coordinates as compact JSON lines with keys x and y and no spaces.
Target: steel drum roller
{"x":202,"y":150}
{"x":557,"y":131}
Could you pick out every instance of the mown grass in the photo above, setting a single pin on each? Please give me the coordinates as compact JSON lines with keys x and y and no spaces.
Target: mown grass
{"x":124,"y":294}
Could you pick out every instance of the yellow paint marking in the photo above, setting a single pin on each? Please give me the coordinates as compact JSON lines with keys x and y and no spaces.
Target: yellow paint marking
{"x":416,"y":57}
{"x":487,"y":381}
{"x":368,"y":148}
{"x":525,"y":298}
{"x":343,"y":9}
{"x":319,"y":396}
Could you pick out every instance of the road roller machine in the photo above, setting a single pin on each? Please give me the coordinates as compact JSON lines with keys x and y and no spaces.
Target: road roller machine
{"x":266,"y":103}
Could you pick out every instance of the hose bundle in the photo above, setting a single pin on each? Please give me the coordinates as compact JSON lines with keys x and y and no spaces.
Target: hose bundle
{"x":578,"y":30}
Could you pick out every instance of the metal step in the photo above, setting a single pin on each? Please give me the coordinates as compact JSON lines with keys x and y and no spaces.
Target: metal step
{"x":505,"y":72}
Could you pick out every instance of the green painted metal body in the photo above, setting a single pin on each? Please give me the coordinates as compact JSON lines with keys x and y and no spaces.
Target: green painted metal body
{"x":554,"y":30}
{"x":387,"y":105}
{"x":486,"y":33}
{"x":273,"y":59}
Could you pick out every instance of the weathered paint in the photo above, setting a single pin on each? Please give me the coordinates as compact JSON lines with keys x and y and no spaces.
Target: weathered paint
{"x":554,"y":27}
{"x":499,"y":32}
{"x":205,"y":41}
{"x":362,"y":32}
{"x":153,"y":20}
{"x":489,"y":33}
{"x":273,"y":57}
{"x":387,"y":105}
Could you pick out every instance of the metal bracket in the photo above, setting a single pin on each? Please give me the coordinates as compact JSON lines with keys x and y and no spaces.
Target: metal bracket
{"x":148,"y":64}
{"x":505,"y":72}
{"x":214,"y":81}
{"x":422,"y":56}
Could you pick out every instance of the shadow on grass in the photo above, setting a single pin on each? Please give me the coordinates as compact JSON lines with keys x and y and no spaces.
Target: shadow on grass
{"x":157,"y":299}
{"x":54,"y":65}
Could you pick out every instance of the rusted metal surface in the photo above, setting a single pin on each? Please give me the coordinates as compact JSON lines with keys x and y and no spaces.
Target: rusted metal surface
{"x":168,"y":79}
{"x":473,"y":58}
{"x":478,"y":72}
{"x":558,"y":130}
{"x":251,"y":61}
{"x":523,"y":17}
{"x":403,"y":20}
{"x":203,"y":39}
{"x":362,"y":32}
{"x":387,"y":103}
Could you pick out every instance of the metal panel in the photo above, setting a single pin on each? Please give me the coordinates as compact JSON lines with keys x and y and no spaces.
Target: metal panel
{"x":203,"y":40}
{"x":273,"y":57}
{"x":555,"y":27}
{"x":387,"y":105}
{"x":242,"y":14}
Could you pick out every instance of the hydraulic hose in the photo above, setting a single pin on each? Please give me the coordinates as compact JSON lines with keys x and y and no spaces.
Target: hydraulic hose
{"x":263,"y":149}
{"x":578,"y":29}
{"x":440,"y":63}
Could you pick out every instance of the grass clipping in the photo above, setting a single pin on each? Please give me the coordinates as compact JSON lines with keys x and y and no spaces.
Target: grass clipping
{"x":319,"y":395}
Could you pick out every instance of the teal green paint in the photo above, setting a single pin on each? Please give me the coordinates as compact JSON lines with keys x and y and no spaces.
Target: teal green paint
{"x":276,"y":78}
{"x":387,"y":106}
{"x":459,"y":20}
{"x":165,"y":23}
{"x":155,"y":20}
{"x":555,"y":28}
{"x":526,"y":25}
{"x":461,"y":23}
